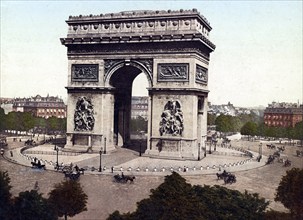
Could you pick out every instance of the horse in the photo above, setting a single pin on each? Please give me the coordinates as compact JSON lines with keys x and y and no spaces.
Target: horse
{"x":222,"y":175}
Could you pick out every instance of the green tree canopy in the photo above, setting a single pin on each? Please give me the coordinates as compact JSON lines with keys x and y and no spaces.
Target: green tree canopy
{"x":68,"y":198}
{"x":2,"y":118}
{"x":5,"y":195}
{"x":249,"y":128}
{"x":290,"y":192}
{"x":30,"y":205}
{"x":176,"y":199}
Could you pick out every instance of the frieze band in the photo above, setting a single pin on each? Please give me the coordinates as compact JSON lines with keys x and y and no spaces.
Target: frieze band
{"x":173,"y":72}
{"x":85,"y":72}
{"x":201,"y":74}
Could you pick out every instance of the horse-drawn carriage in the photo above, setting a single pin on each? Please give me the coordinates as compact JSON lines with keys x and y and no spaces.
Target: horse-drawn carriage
{"x":287,"y":163}
{"x":72,"y":175}
{"x":30,"y":143}
{"x":123,"y":178}
{"x":37,"y":164}
{"x":299,"y":153}
{"x":270,"y":159}
{"x":227,"y":177}
{"x":270,"y":146}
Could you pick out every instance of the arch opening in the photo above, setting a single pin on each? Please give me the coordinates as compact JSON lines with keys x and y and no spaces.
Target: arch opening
{"x":122,"y":80}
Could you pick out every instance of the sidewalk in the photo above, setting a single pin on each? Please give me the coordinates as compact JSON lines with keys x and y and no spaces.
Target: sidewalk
{"x":129,"y":161}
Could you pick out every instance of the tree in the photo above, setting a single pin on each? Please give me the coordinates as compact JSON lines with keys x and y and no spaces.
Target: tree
{"x":250,"y":129}
{"x":298,"y":132}
{"x":290,"y":192}
{"x":28,"y":121}
{"x":176,"y":199}
{"x":68,"y":198}
{"x":211,"y":119}
{"x":223,"y":123}
{"x":2,"y":118}
{"x":30,"y":205}
{"x":5,"y":195}
{"x":138,"y":124}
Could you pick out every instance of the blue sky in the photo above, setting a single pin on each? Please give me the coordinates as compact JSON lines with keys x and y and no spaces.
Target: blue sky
{"x":258,"y":58}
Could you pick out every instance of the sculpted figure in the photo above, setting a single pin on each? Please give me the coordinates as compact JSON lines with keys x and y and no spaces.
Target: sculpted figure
{"x":84,"y":115}
{"x":171,"y":119}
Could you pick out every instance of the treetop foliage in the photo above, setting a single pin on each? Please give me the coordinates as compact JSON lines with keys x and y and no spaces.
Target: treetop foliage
{"x":68,"y":198}
{"x":290,"y":192}
{"x":176,"y":199}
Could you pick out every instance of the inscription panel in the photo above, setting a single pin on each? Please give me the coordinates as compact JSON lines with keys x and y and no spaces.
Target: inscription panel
{"x":170,"y":145}
{"x":201,"y":74}
{"x":173,"y":72}
{"x":85,"y":72}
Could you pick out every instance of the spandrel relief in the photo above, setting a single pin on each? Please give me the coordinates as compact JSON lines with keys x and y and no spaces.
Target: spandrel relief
{"x":171,"y":119}
{"x":173,"y":72}
{"x":84,"y":115}
{"x":85,"y":72}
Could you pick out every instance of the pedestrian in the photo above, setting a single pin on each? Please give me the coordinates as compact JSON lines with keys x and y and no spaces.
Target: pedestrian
{"x":11,"y":153}
{"x":112,"y":169}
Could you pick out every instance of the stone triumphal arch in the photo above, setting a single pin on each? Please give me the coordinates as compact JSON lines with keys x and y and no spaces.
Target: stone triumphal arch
{"x":107,"y":52}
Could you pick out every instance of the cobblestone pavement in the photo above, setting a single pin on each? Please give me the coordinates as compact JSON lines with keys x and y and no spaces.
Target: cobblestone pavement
{"x":105,"y":196}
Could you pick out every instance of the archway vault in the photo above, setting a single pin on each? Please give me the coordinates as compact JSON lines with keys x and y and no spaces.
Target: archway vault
{"x":106,"y":52}
{"x":144,"y":65}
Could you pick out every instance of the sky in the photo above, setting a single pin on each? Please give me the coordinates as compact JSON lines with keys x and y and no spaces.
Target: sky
{"x":257,"y":60}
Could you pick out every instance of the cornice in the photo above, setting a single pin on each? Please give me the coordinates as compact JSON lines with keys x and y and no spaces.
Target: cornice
{"x":137,"y":39}
{"x":179,"y":90}
{"x":136,"y":15}
{"x":77,"y":89}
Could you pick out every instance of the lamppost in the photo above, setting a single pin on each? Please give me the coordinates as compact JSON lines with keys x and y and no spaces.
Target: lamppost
{"x":260,"y":149}
{"x":57,"y":150}
{"x":199,"y":151}
{"x":100,"y":152}
{"x":205,"y":149}
{"x":141,"y":137}
{"x":104,"y":145}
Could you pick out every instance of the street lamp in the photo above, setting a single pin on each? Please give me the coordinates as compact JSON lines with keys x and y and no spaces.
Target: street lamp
{"x":105,"y":145}
{"x":141,"y":137}
{"x":199,"y":151}
{"x":260,"y":149}
{"x":100,"y":152}
{"x":205,"y":148}
{"x":57,"y":163}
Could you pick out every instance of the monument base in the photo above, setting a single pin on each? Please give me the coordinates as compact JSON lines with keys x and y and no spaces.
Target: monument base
{"x":172,"y":148}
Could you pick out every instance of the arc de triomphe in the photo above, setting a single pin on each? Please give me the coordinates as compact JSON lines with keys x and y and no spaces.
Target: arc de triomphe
{"x":107,"y":52}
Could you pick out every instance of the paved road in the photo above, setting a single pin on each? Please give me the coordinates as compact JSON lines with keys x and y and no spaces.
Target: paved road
{"x":105,"y":196}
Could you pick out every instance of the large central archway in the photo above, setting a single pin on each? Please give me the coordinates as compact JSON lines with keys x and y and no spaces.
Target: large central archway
{"x":121,"y":77}
{"x":107,"y":52}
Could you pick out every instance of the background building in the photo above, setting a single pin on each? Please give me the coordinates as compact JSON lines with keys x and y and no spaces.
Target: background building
{"x":283,"y":114}
{"x":139,"y":107}
{"x":44,"y":107}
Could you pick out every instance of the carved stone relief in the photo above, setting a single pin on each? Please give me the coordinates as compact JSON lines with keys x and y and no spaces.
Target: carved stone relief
{"x":84,"y":115}
{"x":85,"y":72}
{"x":201,"y":74}
{"x":108,"y":64}
{"x":146,"y":63}
{"x":173,"y":72}
{"x":171,"y":119}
